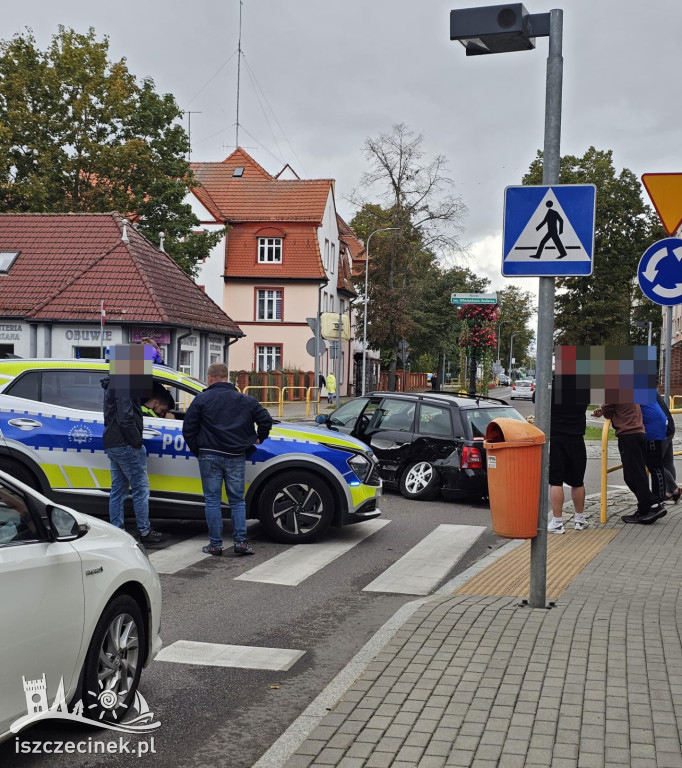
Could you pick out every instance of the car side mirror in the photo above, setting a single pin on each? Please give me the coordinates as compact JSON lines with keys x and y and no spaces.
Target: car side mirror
{"x":322,"y":418}
{"x":64,"y":525}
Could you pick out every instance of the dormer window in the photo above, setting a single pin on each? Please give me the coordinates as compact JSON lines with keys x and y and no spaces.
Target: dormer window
{"x":7,"y":258}
{"x":238,"y":172}
{"x":269,"y":250}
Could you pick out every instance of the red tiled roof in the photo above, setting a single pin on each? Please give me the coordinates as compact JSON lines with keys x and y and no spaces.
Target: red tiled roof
{"x":301,"y":258}
{"x":257,"y":196}
{"x":70,"y":262}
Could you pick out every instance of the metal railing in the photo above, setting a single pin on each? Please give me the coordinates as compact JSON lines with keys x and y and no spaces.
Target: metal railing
{"x":279,"y":402}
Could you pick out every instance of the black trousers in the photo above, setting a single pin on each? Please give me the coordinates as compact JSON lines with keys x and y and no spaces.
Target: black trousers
{"x":654,"y":463}
{"x":632,"y":450}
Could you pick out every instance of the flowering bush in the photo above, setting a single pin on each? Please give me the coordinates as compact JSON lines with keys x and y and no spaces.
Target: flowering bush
{"x":478,"y":330}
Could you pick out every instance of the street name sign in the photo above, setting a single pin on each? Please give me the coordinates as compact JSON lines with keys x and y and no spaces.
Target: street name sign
{"x":660,"y":272}
{"x":549,"y":230}
{"x":473,"y":298}
{"x":665,"y":191}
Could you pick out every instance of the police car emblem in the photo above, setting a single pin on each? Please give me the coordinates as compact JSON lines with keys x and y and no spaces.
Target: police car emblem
{"x":80,"y":435}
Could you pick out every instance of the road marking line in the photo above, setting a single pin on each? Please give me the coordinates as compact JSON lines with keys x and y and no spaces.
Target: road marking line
{"x":219,"y":655}
{"x":178,"y":556}
{"x":302,"y":560}
{"x":426,"y":565}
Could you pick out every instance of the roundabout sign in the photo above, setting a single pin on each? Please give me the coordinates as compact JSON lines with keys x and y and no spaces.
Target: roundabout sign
{"x":660,"y":272}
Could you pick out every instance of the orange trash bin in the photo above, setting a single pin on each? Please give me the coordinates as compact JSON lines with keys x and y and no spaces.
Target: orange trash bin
{"x":514,"y":460}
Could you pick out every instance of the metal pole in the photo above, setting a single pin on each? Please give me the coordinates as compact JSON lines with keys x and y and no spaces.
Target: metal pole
{"x":499,"y":328}
{"x":511,"y":349}
{"x":668,"y":350}
{"x":545,"y":336}
{"x":364,"y":319}
{"x":338,"y":358}
{"x":649,"y":339}
{"x":316,"y":382}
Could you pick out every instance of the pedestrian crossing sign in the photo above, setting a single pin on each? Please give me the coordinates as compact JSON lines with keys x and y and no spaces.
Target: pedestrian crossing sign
{"x":549,"y":230}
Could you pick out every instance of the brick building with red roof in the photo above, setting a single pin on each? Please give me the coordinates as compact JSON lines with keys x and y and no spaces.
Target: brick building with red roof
{"x":56,"y":269}
{"x":281,"y":261}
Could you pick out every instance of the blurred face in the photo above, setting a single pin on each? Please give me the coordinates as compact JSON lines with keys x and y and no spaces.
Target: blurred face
{"x":130,"y":370}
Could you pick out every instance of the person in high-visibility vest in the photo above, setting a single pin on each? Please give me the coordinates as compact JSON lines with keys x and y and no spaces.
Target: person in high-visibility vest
{"x":331,"y":387}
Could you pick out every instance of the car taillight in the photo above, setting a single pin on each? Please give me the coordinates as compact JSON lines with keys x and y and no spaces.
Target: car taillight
{"x":514,"y":385}
{"x":471,"y":458}
{"x":532,"y":387}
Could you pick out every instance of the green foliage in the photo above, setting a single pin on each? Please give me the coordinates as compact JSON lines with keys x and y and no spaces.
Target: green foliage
{"x":598,"y":309}
{"x":417,"y":202}
{"x":79,"y":133}
{"x":516,"y":310}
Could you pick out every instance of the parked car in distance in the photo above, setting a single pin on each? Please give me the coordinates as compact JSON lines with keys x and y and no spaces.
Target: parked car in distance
{"x":81,"y":603}
{"x":51,"y":427}
{"x":523,"y":389}
{"x":504,"y":380}
{"x":425,"y":443}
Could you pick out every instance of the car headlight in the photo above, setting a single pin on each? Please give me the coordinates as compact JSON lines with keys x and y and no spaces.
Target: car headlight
{"x":361,"y":465}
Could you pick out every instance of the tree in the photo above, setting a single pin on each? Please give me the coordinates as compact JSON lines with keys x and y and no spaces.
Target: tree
{"x":437,"y":321}
{"x":516,"y":310}
{"x":598,"y":309}
{"x":427,"y":217}
{"x":79,"y":133}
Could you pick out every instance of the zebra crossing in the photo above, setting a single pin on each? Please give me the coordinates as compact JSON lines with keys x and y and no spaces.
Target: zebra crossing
{"x":419,"y":571}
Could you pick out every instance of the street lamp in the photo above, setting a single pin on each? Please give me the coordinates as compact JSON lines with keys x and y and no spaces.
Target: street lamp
{"x":511,"y":349}
{"x":499,"y":327}
{"x":364,"y":320}
{"x":499,"y":29}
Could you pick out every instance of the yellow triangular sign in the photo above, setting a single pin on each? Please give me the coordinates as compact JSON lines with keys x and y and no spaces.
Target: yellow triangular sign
{"x":665,"y":191}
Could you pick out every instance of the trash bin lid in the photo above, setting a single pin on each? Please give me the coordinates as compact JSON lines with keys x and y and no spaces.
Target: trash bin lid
{"x":513,"y":431}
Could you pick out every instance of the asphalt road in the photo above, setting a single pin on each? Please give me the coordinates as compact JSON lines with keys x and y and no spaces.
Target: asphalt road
{"x":213,"y":716}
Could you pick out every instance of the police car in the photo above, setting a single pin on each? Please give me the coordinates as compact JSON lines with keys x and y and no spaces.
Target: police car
{"x":299,"y":482}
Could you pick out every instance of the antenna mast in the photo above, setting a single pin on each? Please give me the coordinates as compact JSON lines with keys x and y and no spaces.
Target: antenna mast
{"x":239,"y":65}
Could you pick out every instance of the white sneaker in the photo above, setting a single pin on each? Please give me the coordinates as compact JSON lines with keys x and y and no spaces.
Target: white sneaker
{"x":580,"y":523}
{"x":556,"y":525}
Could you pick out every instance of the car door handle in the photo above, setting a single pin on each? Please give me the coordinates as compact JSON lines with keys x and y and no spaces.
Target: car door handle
{"x":25,"y":424}
{"x":147,"y":432}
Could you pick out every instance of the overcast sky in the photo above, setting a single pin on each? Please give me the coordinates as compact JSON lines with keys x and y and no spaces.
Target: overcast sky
{"x":334,"y":72}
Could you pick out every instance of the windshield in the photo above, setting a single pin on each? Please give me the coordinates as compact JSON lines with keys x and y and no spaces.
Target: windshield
{"x":479,"y":418}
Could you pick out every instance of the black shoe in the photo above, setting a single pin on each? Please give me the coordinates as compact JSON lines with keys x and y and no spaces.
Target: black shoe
{"x":243,"y":548}
{"x":646,"y":518}
{"x":656,"y":512}
{"x":153,"y":537}
{"x":635,"y":517}
{"x":209,"y":549}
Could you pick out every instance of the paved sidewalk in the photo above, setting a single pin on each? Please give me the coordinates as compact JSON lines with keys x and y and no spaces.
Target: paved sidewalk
{"x":481,"y":681}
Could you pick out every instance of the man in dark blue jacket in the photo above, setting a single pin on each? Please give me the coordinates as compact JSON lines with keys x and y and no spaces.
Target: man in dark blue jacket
{"x":219,"y":428}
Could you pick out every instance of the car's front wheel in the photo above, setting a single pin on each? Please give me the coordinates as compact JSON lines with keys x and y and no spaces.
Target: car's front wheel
{"x":296,"y":507}
{"x":420,"y":481}
{"x":114,"y":661}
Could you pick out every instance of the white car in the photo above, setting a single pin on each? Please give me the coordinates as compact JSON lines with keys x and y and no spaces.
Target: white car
{"x":81,"y":603}
{"x":523,"y":389}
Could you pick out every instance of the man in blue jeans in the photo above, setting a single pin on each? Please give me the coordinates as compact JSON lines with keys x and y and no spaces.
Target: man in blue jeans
{"x":219,"y":430}
{"x":124,"y":390}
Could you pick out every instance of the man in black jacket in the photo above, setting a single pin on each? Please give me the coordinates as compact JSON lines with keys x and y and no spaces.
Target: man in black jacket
{"x":123,"y":439}
{"x":219,"y":428}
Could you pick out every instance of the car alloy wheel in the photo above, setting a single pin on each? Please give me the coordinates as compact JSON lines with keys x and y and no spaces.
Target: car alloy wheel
{"x":296,"y":507}
{"x":114,"y":662}
{"x":419,"y":481}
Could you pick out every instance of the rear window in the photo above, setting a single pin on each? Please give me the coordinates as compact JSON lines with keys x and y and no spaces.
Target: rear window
{"x":479,"y":418}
